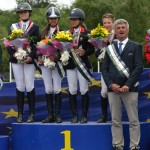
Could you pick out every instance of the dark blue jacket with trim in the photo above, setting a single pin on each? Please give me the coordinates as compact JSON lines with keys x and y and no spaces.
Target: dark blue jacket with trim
{"x":133,"y":58}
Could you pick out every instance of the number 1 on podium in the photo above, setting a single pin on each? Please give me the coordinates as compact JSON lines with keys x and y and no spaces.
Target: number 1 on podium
{"x":67,"y":140}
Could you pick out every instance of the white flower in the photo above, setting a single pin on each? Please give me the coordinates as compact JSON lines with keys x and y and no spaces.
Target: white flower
{"x":20,"y":54}
{"x":29,"y":50}
{"x":65,"y":57}
{"x":48,"y":63}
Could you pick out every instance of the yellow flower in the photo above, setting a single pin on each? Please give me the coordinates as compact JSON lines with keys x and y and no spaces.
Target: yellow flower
{"x":99,"y":32}
{"x":64,"y":36}
{"x":15,"y":34}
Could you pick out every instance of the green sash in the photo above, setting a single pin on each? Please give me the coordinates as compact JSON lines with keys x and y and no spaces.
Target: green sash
{"x":117,"y":61}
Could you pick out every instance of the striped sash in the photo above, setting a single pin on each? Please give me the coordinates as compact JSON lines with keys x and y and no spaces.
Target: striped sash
{"x":117,"y":61}
{"x":18,"y":26}
{"x":86,"y":73}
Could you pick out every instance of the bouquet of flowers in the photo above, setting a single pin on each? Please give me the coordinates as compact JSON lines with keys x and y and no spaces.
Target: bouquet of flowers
{"x":45,"y":47}
{"x":99,"y":37}
{"x":65,"y":38}
{"x":19,"y":43}
{"x":48,"y":47}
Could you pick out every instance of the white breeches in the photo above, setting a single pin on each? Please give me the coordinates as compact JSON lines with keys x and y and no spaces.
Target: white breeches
{"x":52,"y":80}
{"x":24,"y":76}
{"x":73,"y":75}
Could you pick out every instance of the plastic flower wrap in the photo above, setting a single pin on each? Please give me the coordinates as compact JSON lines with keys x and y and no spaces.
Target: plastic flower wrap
{"x":99,"y":37}
{"x":65,"y":38}
{"x":14,"y":39}
{"x":19,"y":43}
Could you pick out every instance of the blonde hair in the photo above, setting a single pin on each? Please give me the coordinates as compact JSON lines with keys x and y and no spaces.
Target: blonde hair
{"x":108,"y":15}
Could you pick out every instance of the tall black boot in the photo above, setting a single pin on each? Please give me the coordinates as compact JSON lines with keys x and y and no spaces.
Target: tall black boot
{"x":20,"y":104}
{"x":31,"y":101}
{"x":73,"y":104}
{"x":50,"y":108}
{"x":58,"y":101}
{"x":85,"y":106}
{"x":104,"y":105}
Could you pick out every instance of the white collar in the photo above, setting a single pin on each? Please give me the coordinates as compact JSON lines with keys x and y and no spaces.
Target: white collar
{"x":124,"y":42}
{"x":76,"y":30}
{"x":26,"y":23}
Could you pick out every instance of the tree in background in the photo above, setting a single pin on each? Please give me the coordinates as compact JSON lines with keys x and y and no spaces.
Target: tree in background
{"x":135,"y":12}
{"x":38,"y":3}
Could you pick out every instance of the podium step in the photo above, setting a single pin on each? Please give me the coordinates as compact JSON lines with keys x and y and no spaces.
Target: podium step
{"x":4,"y":142}
{"x":67,"y":136}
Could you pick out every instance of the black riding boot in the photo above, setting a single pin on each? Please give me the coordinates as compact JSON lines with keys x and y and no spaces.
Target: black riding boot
{"x":73,"y":104}
{"x":20,"y":104}
{"x":85,"y":106}
{"x":50,"y":108}
{"x":31,"y":101}
{"x":104,"y":105}
{"x":58,"y":101}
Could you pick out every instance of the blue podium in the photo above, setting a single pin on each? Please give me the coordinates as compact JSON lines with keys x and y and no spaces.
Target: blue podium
{"x":67,"y":136}
{"x":4,"y":142}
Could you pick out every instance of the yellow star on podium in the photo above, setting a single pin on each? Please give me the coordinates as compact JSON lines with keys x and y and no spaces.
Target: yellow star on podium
{"x":148,"y":94}
{"x":95,"y":83}
{"x":148,"y":120}
{"x":10,"y":113}
{"x":64,"y":90}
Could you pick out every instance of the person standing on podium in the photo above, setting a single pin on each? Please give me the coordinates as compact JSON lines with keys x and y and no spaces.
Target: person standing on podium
{"x":108,"y":21}
{"x":79,"y":66}
{"x":24,"y":70}
{"x":122,"y":67}
{"x":51,"y":77}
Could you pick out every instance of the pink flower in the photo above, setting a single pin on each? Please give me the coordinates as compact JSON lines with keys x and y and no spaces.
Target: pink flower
{"x":57,"y":44}
{"x":46,"y":49}
{"x":25,"y":45}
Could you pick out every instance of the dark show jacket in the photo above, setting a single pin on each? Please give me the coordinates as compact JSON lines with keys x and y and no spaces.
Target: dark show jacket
{"x":132,"y":57}
{"x":34,"y":33}
{"x":89,"y":49}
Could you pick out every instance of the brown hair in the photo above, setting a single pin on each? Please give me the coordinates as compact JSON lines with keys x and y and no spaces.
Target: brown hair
{"x":108,"y":15}
{"x":84,"y":25}
{"x":44,"y":31}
